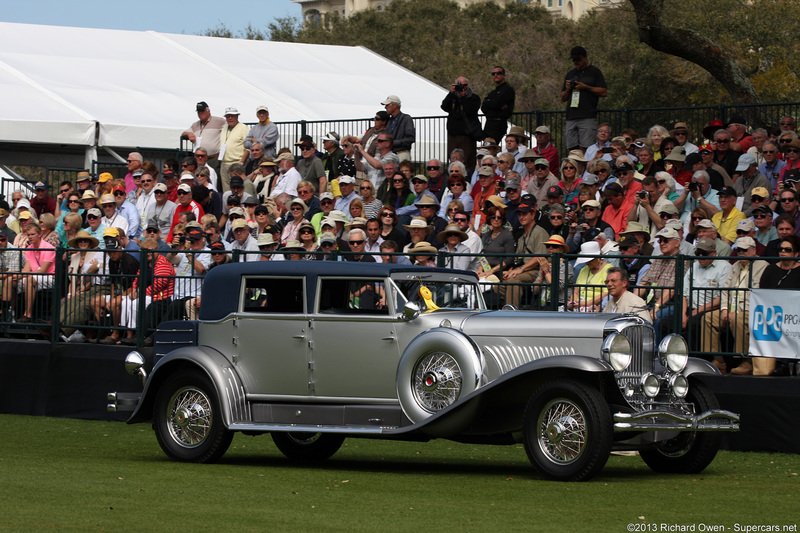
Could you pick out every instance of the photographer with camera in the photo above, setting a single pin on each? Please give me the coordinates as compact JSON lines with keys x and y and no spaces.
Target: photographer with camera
{"x":463,"y":126}
{"x":583,"y":87}
{"x":587,"y":226}
{"x":649,"y":206}
{"x":698,"y":193}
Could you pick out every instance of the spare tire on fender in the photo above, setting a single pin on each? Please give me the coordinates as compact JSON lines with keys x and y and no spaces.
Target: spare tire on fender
{"x":438,"y":367}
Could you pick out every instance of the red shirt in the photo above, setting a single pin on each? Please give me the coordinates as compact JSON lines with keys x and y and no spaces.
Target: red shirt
{"x":193,"y":206}
{"x":163,"y":280}
{"x":617,"y":219}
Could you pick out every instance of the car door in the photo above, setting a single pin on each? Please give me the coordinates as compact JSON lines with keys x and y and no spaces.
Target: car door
{"x":271,"y":336}
{"x":354,"y":351}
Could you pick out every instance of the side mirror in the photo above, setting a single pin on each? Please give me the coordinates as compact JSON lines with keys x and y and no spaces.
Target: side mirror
{"x":410,"y":311}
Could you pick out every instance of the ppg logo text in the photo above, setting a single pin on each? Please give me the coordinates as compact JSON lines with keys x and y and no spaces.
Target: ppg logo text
{"x":767,"y":323}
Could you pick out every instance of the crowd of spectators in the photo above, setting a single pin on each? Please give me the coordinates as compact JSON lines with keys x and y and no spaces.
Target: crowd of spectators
{"x":506,"y":206}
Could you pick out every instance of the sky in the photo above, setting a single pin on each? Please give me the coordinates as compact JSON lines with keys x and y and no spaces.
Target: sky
{"x":165,"y":16}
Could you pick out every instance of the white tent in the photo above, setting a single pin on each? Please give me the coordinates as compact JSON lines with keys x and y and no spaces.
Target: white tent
{"x":111,"y":88}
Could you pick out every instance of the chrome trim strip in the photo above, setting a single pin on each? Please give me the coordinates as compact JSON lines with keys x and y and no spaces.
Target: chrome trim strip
{"x":309,"y":428}
{"x":323,"y":399}
{"x":645,"y":420}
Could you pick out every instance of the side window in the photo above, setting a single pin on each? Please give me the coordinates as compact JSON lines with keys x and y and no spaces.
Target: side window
{"x":353,"y":297}
{"x":278,"y":295}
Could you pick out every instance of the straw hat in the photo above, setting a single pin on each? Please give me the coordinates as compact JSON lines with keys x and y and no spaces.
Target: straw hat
{"x":451,"y":229}
{"x":423,"y":248}
{"x":419,"y":222}
{"x":80,"y":236}
{"x":557,"y":240}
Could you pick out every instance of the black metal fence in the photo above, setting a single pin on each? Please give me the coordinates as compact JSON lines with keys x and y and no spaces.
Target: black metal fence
{"x":99,"y":303}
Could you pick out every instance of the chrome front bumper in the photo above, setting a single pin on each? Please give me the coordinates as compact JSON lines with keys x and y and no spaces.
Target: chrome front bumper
{"x":122,"y":401}
{"x":658,"y":419}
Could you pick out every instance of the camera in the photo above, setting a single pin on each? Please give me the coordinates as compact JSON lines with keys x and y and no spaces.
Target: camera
{"x":642,"y":194}
{"x":182,"y":240}
{"x":693,"y":186}
{"x":606,"y":150}
{"x":460,"y":87}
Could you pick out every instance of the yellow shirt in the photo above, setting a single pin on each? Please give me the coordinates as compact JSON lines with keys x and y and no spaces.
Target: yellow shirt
{"x":233,"y":139}
{"x":726,"y":227}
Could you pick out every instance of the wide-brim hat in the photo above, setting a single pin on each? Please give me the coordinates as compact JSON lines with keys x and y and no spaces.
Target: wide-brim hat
{"x":293,"y":246}
{"x":795,"y":143}
{"x":634,"y":227}
{"x":83,"y":235}
{"x":488,"y":142}
{"x":418,"y":222}
{"x":427,"y":200}
{"x":423,"y":248}
{"x":681,"y":126}
{"x":577,"y":155}
{"x":713,"y":126}
{"x":299,"y":202}
{"x":452,"y":229}
{"x":357,"y":222}
{"x":338,"y":216}
{"x":588,"y":248}
{"x":88,"y":193}
{"x":557,"y":240}
{"x":495,"y":201}
{"x":530,"y":155}
{"x":518,"y":131}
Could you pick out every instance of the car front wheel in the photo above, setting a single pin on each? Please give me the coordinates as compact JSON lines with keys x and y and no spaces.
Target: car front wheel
{"x":691,"y":451}
{"x":567,"y":430}
{"x":307,"y":447}
{"x":187,"y":418}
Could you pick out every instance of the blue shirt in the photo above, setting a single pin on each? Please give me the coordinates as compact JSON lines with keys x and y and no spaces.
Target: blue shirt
{"x":772,"y":172}
{"x":131,"y":214}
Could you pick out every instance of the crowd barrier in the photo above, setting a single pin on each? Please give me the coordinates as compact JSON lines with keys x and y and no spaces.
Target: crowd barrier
{"x":82,"y":302}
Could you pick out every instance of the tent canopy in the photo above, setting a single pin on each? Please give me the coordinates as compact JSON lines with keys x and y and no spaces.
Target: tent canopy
{"x":116,"y":88}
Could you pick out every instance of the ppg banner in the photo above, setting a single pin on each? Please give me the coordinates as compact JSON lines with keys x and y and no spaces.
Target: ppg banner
{"x":775,"y":323}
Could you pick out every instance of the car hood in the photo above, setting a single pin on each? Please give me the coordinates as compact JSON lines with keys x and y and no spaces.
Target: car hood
{"x":509,"y":339}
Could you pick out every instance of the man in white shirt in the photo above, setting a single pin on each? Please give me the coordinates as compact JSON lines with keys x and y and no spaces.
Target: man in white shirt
{"x":286,"y":182}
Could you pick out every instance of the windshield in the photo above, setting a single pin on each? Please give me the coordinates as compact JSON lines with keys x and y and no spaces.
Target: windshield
{"x":443,"y":294}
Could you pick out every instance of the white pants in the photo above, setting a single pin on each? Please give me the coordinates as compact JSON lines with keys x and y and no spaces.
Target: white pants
{"x":128,"y":310}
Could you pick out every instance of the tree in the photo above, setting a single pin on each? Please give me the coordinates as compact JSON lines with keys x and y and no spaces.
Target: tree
{"x":694,"y":47}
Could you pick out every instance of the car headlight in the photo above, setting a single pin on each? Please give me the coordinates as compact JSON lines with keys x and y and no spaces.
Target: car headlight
{"x":650,"y":385}
{"x":673,"y":352}
{"x":679,"y":385}
{"x":617,"y":350}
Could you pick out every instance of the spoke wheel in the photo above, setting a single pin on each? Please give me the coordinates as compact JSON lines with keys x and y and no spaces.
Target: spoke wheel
{"x":691,"y":451}
{"x":437,"y":381}
{"x":308,"y":447}
{"x":187,"y":419}
{"x":567,"y":430}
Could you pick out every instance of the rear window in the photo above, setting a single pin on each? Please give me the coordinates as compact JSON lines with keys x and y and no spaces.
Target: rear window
{"x":273,"y":295}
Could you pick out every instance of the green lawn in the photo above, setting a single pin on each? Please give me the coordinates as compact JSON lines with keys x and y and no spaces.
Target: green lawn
{"x":65,"y":474}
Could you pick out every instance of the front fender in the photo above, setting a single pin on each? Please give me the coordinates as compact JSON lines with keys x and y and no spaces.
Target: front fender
{"x":700,"y":366}
{"x":228,"y":386}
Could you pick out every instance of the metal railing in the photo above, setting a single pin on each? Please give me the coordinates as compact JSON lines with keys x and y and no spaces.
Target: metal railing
{"x":60,"y":309}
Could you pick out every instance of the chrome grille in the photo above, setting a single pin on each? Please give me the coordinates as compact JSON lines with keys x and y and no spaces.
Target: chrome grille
{"x":642,"y":339}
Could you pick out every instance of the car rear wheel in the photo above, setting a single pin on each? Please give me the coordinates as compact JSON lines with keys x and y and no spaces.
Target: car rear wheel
{"x":567,"y":430}
{"x":308,"y":447}
{"x":187,"y":419}
{"x":691,"y":451}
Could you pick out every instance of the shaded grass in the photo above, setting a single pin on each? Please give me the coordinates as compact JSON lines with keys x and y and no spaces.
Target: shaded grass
{"x":66,"y":474}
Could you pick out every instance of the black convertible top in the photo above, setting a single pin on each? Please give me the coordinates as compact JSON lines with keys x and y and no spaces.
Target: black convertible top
{"x":221,"y":285}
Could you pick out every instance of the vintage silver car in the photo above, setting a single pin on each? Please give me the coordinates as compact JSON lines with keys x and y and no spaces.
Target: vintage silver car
{"x":316,"y":351}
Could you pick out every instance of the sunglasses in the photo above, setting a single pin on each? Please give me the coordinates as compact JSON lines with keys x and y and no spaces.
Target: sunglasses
{"x":540,"y":167}
{"x":176,"y":234}
{"x":701,"y":253}
{"x":680,"y":134}
{"x":722,"y":141}
{"x":549,"y":246}
{"x":769,"y":151}
{"x":665,"y":215}
{"x":146,"y":181}
{"x":74,"y":201}
{"x":625,"y":248}
{"x":347,"y":145}
{"x":92,"y":217}
{"x":296,"y":208}
{"x":387,"y":214}
{"x":383,"y":140}
{"x":433,"y":167}
{"x":119,"y":193}
{"x":356,"y":243}
{"x":457,"y":184}
{"x":327,"y":245}
{"x":399,"y":180}
{"x":326,"y":202}
{"x":786,"y":249}
{"x":761,"y":215}
{"x":497,"y":73}
{"x":64,"y":191}
{"x":784,"y":200}
{"x":741,"y":232}
{"x":83,"y":241}
{"x":792,"y":150}
{"x":568,"y":167}
{"x":306,"y":232}
{"x":370,"y":188}
{"x":417,"y":182}
{"x":180,"y":193}
{"x":151,"y":231}
{"x":784,"y":141}
{"x":787,"y":123}
{"x":556,"y":217}
{"x":497,"y":217}
{"x":460,"y":219}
